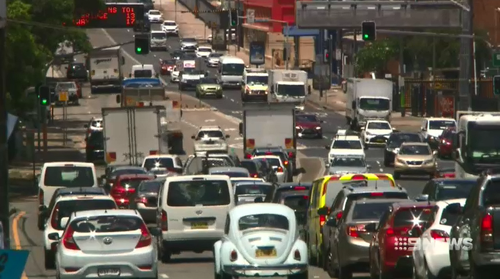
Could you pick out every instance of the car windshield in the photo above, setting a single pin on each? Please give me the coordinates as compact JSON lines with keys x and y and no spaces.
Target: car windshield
{"x":169,"y":23}
{"x":189,"y":40}
{"x":412,"y":219}
{"x":257,"y":80}
{"x":232,"y":69}
{"x":96,"y":140}
{"x":68,"y":176}
{"x":415,"y":150}
{"x":65,"y":85}
{"x":454,"y":189}
{"x":347,"y":144}
{"x":204,"y":49}
{"x":200,"y":165}
{"x":198,"y":193}
{"x":106,"y":224}
{"x":150,"y":186}
{"x":127,"y":171}
{"x":294,"y":90}
{"x":209,"y":81}
{"x":152,"y":12}
{"x":370,"y":211}
{"x":210,"y":134}
{"x":65,"y":208}
{"x":143,"y":73}
{"x":250,"y":166}
{"x":379,"y":126}
{"x":448,"y":218}
{"x":159,"y":36}
{"x":441,"y":124}
{"x":215,"y":55}
{"x":348,"y":162}
{"x":374,"y":104}
{"x":252,"y":189}
{"x":306,"y":118}
{"x":152,"y":163}
{"x":272,"y":221}
{"x":395,"y":140}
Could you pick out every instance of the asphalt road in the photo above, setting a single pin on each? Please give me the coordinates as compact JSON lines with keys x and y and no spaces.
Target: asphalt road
{"x":225,"y":113}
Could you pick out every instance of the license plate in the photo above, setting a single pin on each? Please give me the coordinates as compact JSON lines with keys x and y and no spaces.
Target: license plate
{"x":108,"y":272}
{"x":265,"y":253}
{"x":380,"y":140}
{"x":199,"y":226}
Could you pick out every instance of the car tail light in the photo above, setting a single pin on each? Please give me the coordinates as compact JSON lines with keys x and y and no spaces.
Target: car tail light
{"x":305,"y":197}
{"x":250,"y":143}
{"x":487,"y":228}
{"x":68,"y":241}
{"x":440,"y":235}
{"x":111,"y":155}
{"x":322,"y":220}
{"x":248,"y":156}
{"x":339,"y":215}
{"x":233,"y":256}
{"x":117,"y":190}
{"x":285,"y":163}
{"x":291,"y":155}
{"x":358,"y":177}
{"x":299,"y":188}
{"x":145,"y":239}
{"x":296,"y":255}
{"x":280,"y":169}
{"x":153,"y":152}
{"x":164,"y":221}
{"x":377,"y":194}
{"x":397,"y":232}
{"x":40,"y":197}
{"x":53,"y":220}
{"x":352,"y":231}
{"x":268,"y":153}
{"x":254,"y":175}
{"x":141,"y":200}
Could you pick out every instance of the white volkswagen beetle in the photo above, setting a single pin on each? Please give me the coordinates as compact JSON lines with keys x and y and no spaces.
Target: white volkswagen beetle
{"x":261,"y":240}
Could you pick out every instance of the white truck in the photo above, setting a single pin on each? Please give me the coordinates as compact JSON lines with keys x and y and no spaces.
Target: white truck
{"x":288,"y":86}
{"x":132,"y":133}
{"x":367,"y":99}
{"x":105,"y":69}
{"x":477,"y":144}
{"x":190,"y":73}
{"x":269,"y":125}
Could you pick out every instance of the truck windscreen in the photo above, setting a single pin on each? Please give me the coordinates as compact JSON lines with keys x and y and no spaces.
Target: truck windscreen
{"x":233,"y":69}
{"x":374,"y":104}
{"x":295,"y":90}
{"x":483,"y":144}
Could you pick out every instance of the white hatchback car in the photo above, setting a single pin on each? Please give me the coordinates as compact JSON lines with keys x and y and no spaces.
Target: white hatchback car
{"x":174,"y":75}
{"x":106,"y":243}
{"x":431,"y":253}
{"x":261,"y":240}
{"x":376,"y":132}
{"x":170,"y":27}
{"x":203,"y":51}
{"x":277,"y":165}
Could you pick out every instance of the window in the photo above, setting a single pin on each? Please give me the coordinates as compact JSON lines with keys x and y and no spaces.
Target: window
{"x":150,"y":186}
{"x":369,"y":211}
{"x":252,"y":189}
{"x":107,"y":224}
{"x":228,"y":225}
{"x":316,"y":188}
{"x":491,"y":194}
{"x":294,"y":90}
{"x":384,"y":218}
{"x":204,"y":49}
{"x":96,"y":140}
{"x":374,"y":104}
{"x":231,"y":174}
{"x":69,"y":176}
{"x":338,"y":202}
{"x":233,"y":69}
{"x":379,"y":126}
{"x":441,"y":124}
{"x":158,"y":36}
{"x":454,"y":189}
{"x":210,"y":134}
{"x":280,"y":154}
{"x":306,"y":118}
{"x":65,"y":208}
{"x":273,"y":162}
{"x":143,"y":73}
{"x":257,"y":80}
{"x":348,"y":162}
{"x":132,"y":183}
{"x":169,"y":23}
{"x":250,"y":166}
{"x":412,"y":217}
{"x":347,"y":144}
{"x":152,"y":163}
{"x":272,"y":221}
{"x":198,"y":192}
{"x":119,"y":172}
{"x":448,"y":219}
{"x":296,"y":202}
{"x":415,"y":150}
{"x":395,"y":140}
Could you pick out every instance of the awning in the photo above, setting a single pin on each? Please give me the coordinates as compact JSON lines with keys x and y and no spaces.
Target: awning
{"x":294,"y":31}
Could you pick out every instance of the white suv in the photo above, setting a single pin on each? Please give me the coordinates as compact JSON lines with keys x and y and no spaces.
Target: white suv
{"x":192,"y":212}
{"x":210,"y":138}
{"x":345,"y":145}
{"x":63,"y":208}
{"x":170,"y":27}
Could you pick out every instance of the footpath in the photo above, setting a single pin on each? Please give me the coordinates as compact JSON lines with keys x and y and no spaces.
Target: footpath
{"x":333,"y":99}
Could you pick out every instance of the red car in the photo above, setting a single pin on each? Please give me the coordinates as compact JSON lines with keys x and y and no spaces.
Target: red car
{"x":166,"y":66}
{"x":445,"y":173}
{"x":390,"y":250}
{"x":308,"y":125}
{"x":445,"y":145}
{"x":125,"y":186}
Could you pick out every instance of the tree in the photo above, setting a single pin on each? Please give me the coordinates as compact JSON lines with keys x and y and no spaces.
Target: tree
{"x":373,"y":57}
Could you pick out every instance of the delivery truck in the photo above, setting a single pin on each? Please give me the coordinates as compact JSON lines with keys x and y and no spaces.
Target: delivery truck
{"x":288,"y":86}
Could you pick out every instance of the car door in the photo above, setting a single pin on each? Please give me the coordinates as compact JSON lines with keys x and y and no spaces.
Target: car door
{"x":312,"y":210}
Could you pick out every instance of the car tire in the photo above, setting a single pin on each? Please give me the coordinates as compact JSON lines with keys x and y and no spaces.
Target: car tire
{"x":303,"y":275}
{"x":165,"y":254}
{"x":343,"y":272}
{"x":50,"y":260}
{"x":224,"y":275}
{"x":41,"y":222}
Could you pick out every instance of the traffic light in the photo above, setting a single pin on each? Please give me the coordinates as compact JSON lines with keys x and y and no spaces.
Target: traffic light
{"x":368,"y":31}
{"x":44,"y":95}
{"x":496,"y":85}
{"x":234,"y":18}
{"x":141,"y":44}
{"x":327,"y":56}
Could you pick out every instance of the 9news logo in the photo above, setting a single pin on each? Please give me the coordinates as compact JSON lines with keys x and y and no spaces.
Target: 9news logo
{"x":411,"y":244}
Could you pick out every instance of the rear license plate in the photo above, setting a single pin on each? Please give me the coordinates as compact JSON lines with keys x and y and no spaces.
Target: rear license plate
{"x":265,"y":253}
{"x":199,"y":226}
{"x":108,"y":272}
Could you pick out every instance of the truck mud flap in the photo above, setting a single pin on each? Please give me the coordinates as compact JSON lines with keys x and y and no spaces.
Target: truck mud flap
{"x":495,"y":212}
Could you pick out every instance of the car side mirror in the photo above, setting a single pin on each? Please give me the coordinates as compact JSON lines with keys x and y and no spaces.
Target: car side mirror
{"x":299,"y":171}
{"x":64,"y":222}
{"x":53,"y":236}
{"x":193,"y":137}
{"x":155,"y":231}
{"x":454,"y":208}
{"x":259,"y":199}
{"x":323,"y":211}
{"x":327,"y":147}
{"x":228,"y":136}
{"x":353,"y":105}
{"x":372,"y":227}
{"x":423,"y":129}
{"x":422,"y":198}
{"x":332,"y":222}
{"x":118,"y":99}
{"x":363,"y":128}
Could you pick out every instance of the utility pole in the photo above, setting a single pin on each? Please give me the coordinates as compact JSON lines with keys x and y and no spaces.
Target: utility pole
{"x":466,"y":56}
{"x":4,"y":160}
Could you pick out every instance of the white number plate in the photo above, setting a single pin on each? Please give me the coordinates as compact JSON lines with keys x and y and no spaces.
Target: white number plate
{"x":102,"y":272}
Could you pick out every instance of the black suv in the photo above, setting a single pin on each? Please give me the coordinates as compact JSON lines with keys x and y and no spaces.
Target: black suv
{"x":94,"y":149}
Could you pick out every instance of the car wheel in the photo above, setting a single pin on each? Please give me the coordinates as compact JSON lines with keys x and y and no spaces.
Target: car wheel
{"x":50,"y":260}
{"x":165,"y":254}
{"x":41,"y":222}
{"x":303,"y":275}
{"x":343,"y":272}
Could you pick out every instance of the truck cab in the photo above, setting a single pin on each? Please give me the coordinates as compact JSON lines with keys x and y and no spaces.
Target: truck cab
{"x":288,"y":86}
{"x":143,"y":71}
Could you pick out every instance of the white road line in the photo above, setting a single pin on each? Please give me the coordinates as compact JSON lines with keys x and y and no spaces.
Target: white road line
{"x":210,"y":120}
{"x":378,"y":163}
{"x":238,"y":138}
{"x":164,"y":276}
{"x":232,"y":100}
{"x":381,"y":170}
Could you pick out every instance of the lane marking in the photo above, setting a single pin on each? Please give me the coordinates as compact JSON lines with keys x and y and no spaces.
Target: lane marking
{"x":229,"y":129}
{"x":378,"y":163}
{"x":164,"y":276}
{"x":381,"y":170}
{"x":15,"y":235}
{"x":238,"y":138}
{"x":210,"y":120}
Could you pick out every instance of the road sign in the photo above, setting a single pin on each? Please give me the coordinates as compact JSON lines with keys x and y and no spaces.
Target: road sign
{"x":496,"y":59}
{"x":250,"y":16}
{"x":63,"y":96}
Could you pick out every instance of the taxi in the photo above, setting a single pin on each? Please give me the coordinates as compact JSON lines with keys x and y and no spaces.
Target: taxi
{"x":322,"y":194}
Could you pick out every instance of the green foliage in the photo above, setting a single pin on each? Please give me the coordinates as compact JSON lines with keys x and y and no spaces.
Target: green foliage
{"x":374,"y":56}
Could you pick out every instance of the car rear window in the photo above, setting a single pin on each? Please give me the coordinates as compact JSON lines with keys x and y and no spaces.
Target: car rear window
{"x":491,"y":194}
{"x":232,"y":174}
{"x":105,"y":224}
{"x":273,"y":153}
{"x":132,"y":183}
{"x":150,"y":186}
{"x":152,"y":163}
{"x":374,"y":195}
{"x":202,"y":192}
{"x":454,"y":190}
{"x":369,"y":211}
{"x":127,"y":171}
{"x":257,"y":189}
{"x":273,"y":221}
{"x":250,"y":166}
{"x":299,"y":190}
{"x":273,"y":162}
{"x":448,"y":218}
{"x":65,"y":208}
{"x":68,"y":176}
{"x":296,"y":202}
{"x":411,"y":217}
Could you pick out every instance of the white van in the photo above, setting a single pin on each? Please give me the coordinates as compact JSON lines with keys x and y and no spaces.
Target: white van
{"x":143,"y":71}
{"x":192,"y":212}
{"x":230,"y":71}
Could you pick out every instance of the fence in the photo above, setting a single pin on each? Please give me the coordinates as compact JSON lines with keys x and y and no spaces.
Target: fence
{"x":439,"y":98}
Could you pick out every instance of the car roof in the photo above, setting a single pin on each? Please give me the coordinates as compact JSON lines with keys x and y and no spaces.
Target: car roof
{"x":157,"y":31}
{"x":412,"y":204}
{"x":105,"y":212}
{"x":260,"y":208}
{"x":415,"y":143}
{"x":290,"y":185}
{"x":368,"y":189}
{"x":440,"y":119}
{"x":134,"y":175}
{"x":197,"y":177}
{"x":452,"y":180}
{"x":267,"y":157}
{"x":252,"y":183}
{"x":210,"y":128}
{"x":349,"y":137}
{"x":83,"y":197}
{"x":68,"y":164}
{"x":369,"y":201}
{"x":80,"y":190}
{"x":127,"y":168}
{"x":378,"y":121}
{"x":161,"y":156}
{"x":225,"y":169}
{"x":271,"y":148}
{"x":248,"y":160}
{"x":169,"y":21}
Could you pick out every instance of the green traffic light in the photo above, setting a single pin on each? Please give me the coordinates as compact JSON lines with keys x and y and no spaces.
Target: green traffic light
{"x":44,"y":102}
{"x":139,"y":49}
{"x":366,"y":36}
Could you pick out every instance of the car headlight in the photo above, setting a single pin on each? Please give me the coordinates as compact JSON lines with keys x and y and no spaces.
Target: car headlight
{"x":318,"y":128}
{"x":297,"y":127}
{"x":401,"y":161}
{"x":430,"y":161}
{"x":369,"y":134}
